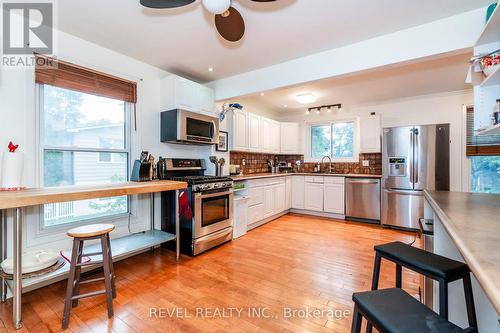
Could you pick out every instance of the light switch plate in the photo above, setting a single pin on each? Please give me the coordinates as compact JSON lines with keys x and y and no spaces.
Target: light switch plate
{"x":366,"y":163}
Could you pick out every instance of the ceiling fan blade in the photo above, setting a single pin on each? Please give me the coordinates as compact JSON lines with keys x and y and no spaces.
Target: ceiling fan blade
{"x":231,"y":27}
{"x":263,"y":0}
{"x":159,"y":4}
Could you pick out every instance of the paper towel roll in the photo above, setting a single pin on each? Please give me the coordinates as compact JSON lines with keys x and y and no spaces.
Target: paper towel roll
{"x":12,"y":170}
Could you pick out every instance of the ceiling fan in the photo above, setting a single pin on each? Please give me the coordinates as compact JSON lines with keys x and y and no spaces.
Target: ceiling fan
{"x":228,"y":20}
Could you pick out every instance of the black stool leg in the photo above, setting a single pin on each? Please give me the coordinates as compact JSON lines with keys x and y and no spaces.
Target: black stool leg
{"x":71,"y":281}
{"x":78,"y":271}
{"x":376,"y":271}
{"x":356,"y":320}
{"x":443,"y":299}
{"x":111,"y":269}
{"x":375,"y":278}
{"x":469,"y":302}
{"x":399,"y":276}
{"x":107,"y":275}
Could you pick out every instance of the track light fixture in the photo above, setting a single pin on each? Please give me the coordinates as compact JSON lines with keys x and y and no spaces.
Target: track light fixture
{"x":327,"y":107}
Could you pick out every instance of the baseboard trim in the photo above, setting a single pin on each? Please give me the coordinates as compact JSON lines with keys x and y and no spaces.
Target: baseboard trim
{"x":264,"y":221}
{"x":321,"y":214}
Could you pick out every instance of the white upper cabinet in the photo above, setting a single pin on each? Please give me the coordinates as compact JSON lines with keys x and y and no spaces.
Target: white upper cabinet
{"x":239,"y":130}
{"x":251,"y":132}
{"x":265,"y":129}
{"x":179,"y":93}
{"x":275,"y":137}
{"x":370,"y":134}
{"x":254,"y":127}
{"x":290,"y":142}
{"x":206,"y":97}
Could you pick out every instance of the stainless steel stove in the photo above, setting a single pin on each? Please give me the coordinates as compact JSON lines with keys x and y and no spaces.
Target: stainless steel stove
{"x":210,"y":200}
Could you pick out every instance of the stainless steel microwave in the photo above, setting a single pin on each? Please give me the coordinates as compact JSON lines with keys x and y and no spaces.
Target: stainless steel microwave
{"x":185,"y":127}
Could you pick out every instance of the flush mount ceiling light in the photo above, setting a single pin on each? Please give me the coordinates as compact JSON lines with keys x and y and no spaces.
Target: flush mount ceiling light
{"x":210,"y":69}
{"x":228,"y":20}
{"x":306,"y":98}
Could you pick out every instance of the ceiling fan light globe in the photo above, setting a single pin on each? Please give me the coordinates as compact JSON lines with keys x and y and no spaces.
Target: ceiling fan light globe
{"x":216,"y":6}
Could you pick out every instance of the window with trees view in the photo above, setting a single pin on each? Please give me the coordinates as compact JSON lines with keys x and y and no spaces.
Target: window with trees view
{"x":485,"y":174}
{"x":335,"y":140}
{"x":83,"y":141}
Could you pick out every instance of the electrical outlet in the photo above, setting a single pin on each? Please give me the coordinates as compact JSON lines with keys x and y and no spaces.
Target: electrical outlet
{"x":366,"y":163}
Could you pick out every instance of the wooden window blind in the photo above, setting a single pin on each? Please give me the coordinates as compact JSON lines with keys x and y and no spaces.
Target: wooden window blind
{"x":480,"y":145}
{"x":66,"y":75}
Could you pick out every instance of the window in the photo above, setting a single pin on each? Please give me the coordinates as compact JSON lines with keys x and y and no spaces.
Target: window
{"x":336,"y":140}
{"x":484,"y":154}
{"x":83,"y":141}
{"x":485,"y":174}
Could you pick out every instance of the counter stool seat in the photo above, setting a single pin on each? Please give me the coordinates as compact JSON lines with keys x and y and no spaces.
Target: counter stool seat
{"x":395,"y":311}
{"x":91,"y":230}
{"x":424,"y":262}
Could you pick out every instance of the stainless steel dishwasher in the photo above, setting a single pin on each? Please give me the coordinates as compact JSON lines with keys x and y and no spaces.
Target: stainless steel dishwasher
{"x":363,"y":199}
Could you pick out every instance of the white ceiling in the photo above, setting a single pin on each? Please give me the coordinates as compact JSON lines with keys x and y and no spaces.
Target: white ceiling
{"x":426,"y":77}
{"x":184,"y":40}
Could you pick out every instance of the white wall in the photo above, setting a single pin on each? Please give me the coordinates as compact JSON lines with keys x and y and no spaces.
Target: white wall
{"x":420,"y":110}
{"x":18,"y":123}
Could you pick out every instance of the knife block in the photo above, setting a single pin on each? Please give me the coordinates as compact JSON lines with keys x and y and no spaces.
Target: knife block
{"x":140,"y":172}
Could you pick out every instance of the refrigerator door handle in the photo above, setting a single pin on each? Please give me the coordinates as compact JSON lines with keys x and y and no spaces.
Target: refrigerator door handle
{"x":404,"y":192}
{"x":416,"y":149}
{"x":412,"y":156}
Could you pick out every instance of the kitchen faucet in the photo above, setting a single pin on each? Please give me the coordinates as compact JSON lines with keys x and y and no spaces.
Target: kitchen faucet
{"x":330,"y":166}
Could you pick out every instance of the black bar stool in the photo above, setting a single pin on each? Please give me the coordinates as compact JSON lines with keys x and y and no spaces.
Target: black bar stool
{"x":436,"y":267}
{"x":395,"y":311}
{"x":81,"y":234}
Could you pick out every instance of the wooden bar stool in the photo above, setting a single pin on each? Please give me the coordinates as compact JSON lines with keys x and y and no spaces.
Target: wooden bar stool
{"x":81,"y":234}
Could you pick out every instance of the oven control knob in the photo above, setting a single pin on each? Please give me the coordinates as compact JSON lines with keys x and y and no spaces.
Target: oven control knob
{"x":216,"y":185}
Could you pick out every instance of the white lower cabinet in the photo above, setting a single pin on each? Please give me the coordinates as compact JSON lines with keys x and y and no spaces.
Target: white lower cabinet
{"x":333,"y":198}
{"x":314,"y":197}
{"x":255,"y":213}
{"x":279,"y":192}
{"x":298,"y":192}
{"x":271,"y":196}
{"x":268,"y":202}
{"x":288,"y":192}
{"x":267,"y":197}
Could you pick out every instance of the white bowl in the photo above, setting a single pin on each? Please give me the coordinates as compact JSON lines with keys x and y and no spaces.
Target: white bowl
{"x":32,"y":261}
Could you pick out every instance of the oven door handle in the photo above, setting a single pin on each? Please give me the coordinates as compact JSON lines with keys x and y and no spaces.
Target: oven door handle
{"x":211,"y":195}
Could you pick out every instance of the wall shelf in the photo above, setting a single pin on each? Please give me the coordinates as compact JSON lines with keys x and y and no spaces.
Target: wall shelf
{"x":492,"y":130}
{"x":490,"y":31}
{"x":121,"y":248}
{"x":492,"y":79}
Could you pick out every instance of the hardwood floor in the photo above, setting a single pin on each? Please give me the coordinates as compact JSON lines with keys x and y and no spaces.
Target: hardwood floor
{"x":293,"y":263}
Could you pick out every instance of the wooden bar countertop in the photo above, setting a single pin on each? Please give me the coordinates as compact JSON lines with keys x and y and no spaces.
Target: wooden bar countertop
{"x":473,"y":222}
{"x":46,"y":195}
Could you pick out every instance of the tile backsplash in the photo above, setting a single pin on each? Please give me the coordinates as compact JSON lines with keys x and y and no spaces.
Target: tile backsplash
{"x":257,"y":163}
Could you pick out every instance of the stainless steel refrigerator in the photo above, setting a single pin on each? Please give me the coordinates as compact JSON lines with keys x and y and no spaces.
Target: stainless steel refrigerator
{"x":414,"y":158}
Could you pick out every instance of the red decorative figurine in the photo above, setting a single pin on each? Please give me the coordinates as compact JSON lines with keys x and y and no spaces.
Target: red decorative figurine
{"x":12,"y":147}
